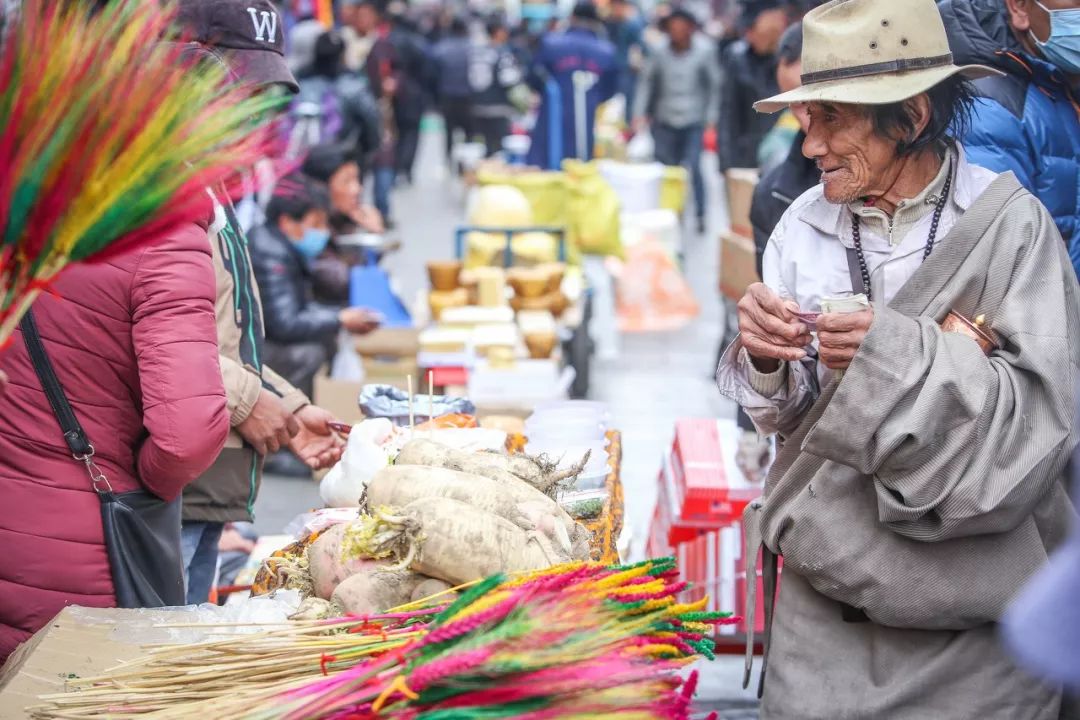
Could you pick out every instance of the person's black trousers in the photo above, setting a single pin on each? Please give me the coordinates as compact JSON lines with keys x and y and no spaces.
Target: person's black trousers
{"x":408,"y":142}
{"x":457,"y":114}
{"x":493,"y":130}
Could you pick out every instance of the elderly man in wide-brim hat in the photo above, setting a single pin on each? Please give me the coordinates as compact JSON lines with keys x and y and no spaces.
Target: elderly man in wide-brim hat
{"x":914,"y":346}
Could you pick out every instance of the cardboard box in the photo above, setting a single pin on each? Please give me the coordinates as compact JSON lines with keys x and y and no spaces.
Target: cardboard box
{"x":740,"y":191}
{"x":706,"y":483}
{"x":79,"y":641}
{"x":340,"y":397}
{"x":393,"y":342}
{"x":738,"y":265}
{"x":384,"y":371}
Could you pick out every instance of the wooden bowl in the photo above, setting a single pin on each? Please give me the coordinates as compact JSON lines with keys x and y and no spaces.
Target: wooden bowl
{"x":555,"y":274}
{"x":440,"y":300}
{"x":445,"y":275}
{"x":527,"y":282}
{"x":541,"y":345}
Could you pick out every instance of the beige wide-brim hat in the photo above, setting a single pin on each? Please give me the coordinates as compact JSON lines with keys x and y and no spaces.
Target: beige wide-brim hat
{"x":872,"y":52}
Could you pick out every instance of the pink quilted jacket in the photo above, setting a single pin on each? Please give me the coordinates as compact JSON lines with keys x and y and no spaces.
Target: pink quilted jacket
{"x":134,"y":344}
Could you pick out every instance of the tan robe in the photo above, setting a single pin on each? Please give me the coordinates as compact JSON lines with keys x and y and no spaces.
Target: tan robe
{"x":924,"y":487}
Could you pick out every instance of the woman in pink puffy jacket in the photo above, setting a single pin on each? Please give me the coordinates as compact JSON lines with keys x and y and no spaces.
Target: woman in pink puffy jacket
{"x":134,"y":345}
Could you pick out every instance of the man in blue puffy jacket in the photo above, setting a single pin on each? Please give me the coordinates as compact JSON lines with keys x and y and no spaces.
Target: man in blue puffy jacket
{"x":1026,"y":121}
{"x":577,"y":70}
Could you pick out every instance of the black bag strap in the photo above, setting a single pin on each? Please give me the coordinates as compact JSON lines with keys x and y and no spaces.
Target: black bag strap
{"x":74,"y":435}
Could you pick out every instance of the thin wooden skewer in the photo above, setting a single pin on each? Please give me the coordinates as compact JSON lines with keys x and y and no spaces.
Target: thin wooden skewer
{"x":431,"y":401}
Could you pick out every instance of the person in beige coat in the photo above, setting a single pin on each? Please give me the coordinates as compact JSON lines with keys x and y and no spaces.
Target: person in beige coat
{"x":914,"y":348}
{"x":267,"y":413}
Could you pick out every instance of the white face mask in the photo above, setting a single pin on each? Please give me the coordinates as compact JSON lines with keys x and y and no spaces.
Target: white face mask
{"x":1062,"y":48}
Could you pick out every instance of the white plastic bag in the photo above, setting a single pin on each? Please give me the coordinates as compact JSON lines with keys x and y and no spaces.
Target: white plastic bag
{"x":641,"y":147}
{"x":364,"y":456}
{"x":347,"y":364}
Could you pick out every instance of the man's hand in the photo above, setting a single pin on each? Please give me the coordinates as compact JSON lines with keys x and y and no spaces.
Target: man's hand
{"x":316,"y":444}
{"x":769,"y":330}
{"x":640,"y":125}
{"x":359,"y":320}
{"x":270,"y":426}
{"x":3,"y":382}
{"x":232,"y":541}
{"x":840,"y":335}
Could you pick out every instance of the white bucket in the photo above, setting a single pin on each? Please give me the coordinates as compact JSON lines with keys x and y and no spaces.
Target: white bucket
{"x":637,"y":184}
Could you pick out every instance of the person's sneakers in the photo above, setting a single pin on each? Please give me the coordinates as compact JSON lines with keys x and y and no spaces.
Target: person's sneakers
{"x":287,"y":464}
{"x":701,"y":226}
{"x":753,"y":456}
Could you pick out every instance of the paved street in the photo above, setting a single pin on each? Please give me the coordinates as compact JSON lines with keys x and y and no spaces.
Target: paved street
{"x":656,"y":379}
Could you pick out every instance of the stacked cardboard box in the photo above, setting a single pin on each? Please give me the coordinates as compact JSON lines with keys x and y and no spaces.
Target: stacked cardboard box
{"x":698,"y":516}
{"x":388,"y":357}
{"x":738,"y":266}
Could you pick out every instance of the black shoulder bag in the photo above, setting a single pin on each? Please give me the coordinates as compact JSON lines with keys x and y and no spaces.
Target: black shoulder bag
{"x":142,"y":531}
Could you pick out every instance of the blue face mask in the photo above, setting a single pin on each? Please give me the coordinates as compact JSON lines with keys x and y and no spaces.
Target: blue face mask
{"x":313,"y":242}
{"x":1062,"y":48}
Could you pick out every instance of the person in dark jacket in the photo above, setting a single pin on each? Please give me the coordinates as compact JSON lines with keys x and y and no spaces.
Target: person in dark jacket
{"x":577,"y":70}
{"x":774,"y":194}
{"x":1027,"y":120}
{"x":749,"y":75}
{"x":494,"y":73}
{"x":782,"y":185}
{"x":450,"y":66}
{"x":414,"y":57}
{"x":626,"y":29}
{"x":333,"y":105}
{"x":396,"y":67}
{"x":300,"y":333}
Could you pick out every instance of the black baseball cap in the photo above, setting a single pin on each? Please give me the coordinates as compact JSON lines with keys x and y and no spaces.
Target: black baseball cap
{"x":248,"y":35}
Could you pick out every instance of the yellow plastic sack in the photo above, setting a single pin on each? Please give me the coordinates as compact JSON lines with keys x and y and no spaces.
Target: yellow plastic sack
{"x":593,"y":208}
{"x":673,"y":189}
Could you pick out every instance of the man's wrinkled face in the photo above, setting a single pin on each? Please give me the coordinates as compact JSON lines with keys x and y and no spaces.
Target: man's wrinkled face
{"x":854,"y":160}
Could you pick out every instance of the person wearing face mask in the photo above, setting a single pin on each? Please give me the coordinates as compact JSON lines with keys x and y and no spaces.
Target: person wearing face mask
{"x":1026,"y":121}
{"x":300,"y":333}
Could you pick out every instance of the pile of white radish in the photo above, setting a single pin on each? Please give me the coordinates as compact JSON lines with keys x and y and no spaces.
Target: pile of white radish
{"x":445,"y":520}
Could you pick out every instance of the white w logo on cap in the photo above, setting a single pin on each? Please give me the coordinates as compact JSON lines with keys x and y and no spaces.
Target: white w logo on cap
{"x":265,"y":23}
